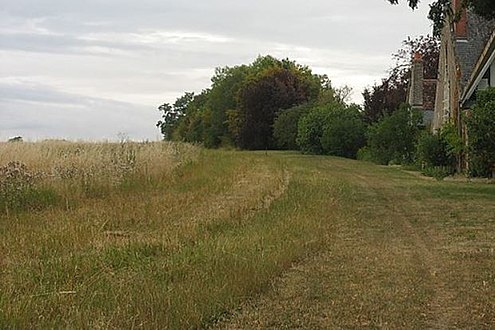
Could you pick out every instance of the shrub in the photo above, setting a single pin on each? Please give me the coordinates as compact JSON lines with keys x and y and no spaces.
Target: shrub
{"x":438,"y":172}
{"x":481,"y":134}
{"x":332,"y":129}
{"x":344,"y":133}
{"x":285,"y":127}
{"x":432,"y":150}
{"x":393,"y":139}
{"x":310,"y":130}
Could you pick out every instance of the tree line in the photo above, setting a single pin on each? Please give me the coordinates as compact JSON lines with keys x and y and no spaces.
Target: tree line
{"x":279,"y":104}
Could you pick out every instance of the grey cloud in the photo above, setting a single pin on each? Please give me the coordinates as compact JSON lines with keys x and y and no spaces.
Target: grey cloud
{"x":42,"y":112}
{"x":80,"y":63}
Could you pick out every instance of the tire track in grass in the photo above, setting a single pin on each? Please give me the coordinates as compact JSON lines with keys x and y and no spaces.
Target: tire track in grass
{"x":379,"y":270}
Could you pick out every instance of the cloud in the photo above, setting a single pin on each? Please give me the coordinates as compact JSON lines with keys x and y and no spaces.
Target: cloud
{"x":98,"y":59}
{"x":39,"y":111}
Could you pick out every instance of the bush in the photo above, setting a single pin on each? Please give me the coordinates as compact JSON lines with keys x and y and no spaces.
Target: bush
{"x":285,"y":127}
{"x":481,"y":134}
{"x":432,"y":150}
{"x":393,"y":139}
{"x":438,"y":172}
{"x":344,"y":133}
{"x":364,"y":154}
{"x":310,"y":130}
{"x":333,"y":129}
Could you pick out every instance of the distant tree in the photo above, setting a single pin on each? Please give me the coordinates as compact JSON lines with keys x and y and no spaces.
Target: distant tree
{"x":383,"y":99}
{"x":16,"y":139}
{"x":393,"y":139}
{"x":264,"y":95}
{"x":344,"y":133}
{"x":171,"y":114}
{"x":386,"y":97}
{"x":310,"y":130}
{"x":440,"y":10}
{"x":240,"y":106}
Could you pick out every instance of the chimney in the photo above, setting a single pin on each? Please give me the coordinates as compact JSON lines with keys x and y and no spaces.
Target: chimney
{"x":460,"y":25}
{"x":415,"y":98}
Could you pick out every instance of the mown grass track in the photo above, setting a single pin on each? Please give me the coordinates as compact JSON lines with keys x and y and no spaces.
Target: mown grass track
{"x":257,"y":240}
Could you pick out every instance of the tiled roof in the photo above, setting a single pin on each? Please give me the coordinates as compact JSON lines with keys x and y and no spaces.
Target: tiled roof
{"x":469,"y":50}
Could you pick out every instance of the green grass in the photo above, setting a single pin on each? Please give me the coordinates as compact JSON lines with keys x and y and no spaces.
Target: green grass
{"x":255,"y":239}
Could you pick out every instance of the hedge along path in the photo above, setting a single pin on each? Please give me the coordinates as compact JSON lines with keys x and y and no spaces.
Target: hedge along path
{"x":405,"y":253}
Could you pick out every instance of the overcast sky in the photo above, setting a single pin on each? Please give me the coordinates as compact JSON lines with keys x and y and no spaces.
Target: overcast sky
{"x":97,"y":69}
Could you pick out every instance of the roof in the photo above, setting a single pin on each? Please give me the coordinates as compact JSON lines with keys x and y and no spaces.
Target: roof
{"x":469,"y":50}
{"x":485,"y":60}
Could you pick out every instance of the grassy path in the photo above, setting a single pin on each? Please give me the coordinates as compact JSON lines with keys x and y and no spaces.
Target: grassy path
{"x":242,"y":240}
{"x":404,"y":253}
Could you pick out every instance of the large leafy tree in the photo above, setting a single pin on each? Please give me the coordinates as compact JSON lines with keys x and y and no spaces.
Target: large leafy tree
{"x":265,"y":95}
{"x":241,"y":104}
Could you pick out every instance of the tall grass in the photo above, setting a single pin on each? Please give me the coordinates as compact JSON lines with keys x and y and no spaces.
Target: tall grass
{"x":33,"y":175}
{"x":149,"y":235}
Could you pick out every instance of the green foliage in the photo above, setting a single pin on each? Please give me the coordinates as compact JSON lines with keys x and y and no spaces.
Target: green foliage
{"x":285,"y":127}
{"x":310,"y":130}
{"x":264,"y":95}
{"x":432,"y":150}
{"x":241,"y":105}
{"x":393,"y":139}
{"x":344,"y":133}
{"x":332,"y":129}
{"x":481,"y":134}
{"x":433,"y":156}
{"x":455,"y":145}
{"x":364,"y":154}
{"x":438,"y":172}
{"x":171,"y":114}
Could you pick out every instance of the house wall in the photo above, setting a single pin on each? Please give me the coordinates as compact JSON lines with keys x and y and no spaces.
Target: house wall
{"x":448,"y":87}
{"x":492,"y":75}
{"x":462,"y":43}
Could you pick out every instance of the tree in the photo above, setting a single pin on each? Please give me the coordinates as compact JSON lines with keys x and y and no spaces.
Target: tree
{"x":16,"y":139}
{"x":171,"y":115}
{"x":481,"y":134}
{"x":241,"y":104}
{"x":264,"y":95}
{"x":344,"y":133}
{"x":440,"y":10}
{"x":386,"y":97}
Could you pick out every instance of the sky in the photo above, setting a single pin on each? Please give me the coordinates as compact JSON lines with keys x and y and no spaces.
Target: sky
{"x":98,"y":69}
